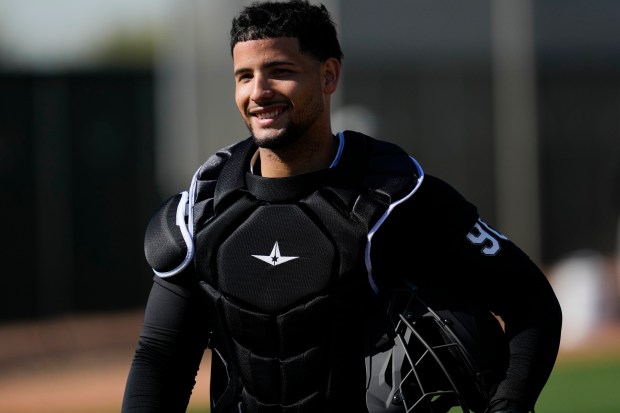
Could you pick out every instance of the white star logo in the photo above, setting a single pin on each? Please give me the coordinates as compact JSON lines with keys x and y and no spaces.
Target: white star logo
{"x":275,"y":258}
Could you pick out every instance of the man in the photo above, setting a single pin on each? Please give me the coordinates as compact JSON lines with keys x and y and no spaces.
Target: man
{"x":286,"y":256}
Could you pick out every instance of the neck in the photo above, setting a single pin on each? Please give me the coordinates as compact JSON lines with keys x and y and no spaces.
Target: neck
{"x":301,"y":158}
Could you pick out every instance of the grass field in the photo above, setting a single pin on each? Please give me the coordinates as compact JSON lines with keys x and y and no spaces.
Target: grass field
{"x":584,"y":386}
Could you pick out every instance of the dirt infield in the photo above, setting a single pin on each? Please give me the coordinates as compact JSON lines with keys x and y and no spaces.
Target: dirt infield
{"x":71,"y":364}
{"x":79,"y":364}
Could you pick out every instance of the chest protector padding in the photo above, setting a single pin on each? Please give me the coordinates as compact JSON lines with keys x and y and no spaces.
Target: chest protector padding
{"x":282,"y":264}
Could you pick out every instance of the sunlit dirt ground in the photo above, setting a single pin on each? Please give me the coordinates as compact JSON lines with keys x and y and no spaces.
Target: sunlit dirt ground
{"x":80,"y":364}
{"x":71,"y":364}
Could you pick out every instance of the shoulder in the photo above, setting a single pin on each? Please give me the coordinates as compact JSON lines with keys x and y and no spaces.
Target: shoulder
{"x":224,"y":165}
{"x":381,"y":157}
{"x":390,"y":167}
{"x":440,"y":191}
{"x":388,"y":171}
{"x":436,"y":211}
{"x":212,"y":167}
{"x":168,"y":245}
{"x":169,"y":237}
{"x":444,"y":205}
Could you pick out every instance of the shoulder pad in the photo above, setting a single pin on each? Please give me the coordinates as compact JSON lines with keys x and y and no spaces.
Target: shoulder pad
{"x":207,"y":185}
{"x":168,"y":244}
{"x":391,"y":171}
{"x":391,"y":177}
{"x":387,"y":170}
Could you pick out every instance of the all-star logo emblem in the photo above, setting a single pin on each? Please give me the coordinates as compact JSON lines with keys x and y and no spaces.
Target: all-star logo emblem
{"x":275,"y":258}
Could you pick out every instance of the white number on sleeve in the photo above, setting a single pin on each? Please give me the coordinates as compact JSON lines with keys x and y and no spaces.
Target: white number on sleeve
{"x":482,"y":234}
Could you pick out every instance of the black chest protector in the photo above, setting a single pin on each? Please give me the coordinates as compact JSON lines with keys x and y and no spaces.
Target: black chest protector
{"x":284,"y":265}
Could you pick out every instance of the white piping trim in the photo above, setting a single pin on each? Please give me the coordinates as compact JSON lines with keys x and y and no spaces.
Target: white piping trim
{"x":336,"y":160}
{"x":192,"y":199}
{"x":381,"y":220}
{"x":184,"y":209}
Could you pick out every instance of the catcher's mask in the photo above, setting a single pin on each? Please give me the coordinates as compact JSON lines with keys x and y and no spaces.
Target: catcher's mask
{"x":438,"y":359}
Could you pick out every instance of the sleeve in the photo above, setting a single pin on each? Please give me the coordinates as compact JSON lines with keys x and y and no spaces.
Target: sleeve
{"x":502,"y":277}
{"x":453,"y":253}
{"x":172,"y":341}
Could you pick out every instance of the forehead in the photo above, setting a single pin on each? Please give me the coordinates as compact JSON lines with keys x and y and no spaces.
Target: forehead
{"x":263,"y":50}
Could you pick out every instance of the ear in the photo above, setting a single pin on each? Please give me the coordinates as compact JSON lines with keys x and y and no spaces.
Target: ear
{"x":331,"y":75}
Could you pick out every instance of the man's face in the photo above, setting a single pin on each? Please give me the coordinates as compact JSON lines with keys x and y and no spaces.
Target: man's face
{"x":279,"y":90}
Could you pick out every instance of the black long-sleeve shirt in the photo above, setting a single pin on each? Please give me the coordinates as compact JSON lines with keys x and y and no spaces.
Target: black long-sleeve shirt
{"x":436,"y":240}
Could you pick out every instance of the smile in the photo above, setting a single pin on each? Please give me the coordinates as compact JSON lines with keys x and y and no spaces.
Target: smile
{"x":269,"y":114}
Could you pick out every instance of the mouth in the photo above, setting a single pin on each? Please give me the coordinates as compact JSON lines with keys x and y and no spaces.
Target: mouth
{"x":270,"y":114}
{"x":267,"y":115}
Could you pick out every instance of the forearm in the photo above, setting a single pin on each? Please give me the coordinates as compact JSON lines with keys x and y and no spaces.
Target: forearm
{"x":160,"y":380}
{"x":533,"y":320}
{"x":534,"y":342}
{"x":171,"y":345}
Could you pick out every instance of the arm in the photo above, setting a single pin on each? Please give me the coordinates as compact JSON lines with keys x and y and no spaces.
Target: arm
{"x":461,"y":258}
{"x":172,"y":341}
{"x":502,"y":277}
{"x":498,"y":276}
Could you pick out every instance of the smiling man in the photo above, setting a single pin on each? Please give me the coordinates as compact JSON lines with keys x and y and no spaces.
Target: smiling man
{"x":283,"y":95}
{"x":328,"y":272}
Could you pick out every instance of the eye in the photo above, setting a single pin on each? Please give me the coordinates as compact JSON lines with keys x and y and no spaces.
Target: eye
{"x":280,"y":72}
{"x":243,"y":77}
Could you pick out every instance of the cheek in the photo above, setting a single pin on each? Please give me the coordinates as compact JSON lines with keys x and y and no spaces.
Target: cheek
{"x":240,"y":100}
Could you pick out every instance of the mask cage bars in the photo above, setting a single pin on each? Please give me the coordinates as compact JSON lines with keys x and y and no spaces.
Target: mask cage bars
{"x":429,"y":369}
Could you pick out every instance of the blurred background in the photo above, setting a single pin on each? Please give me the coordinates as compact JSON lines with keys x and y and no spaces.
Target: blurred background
{"x":108,"y":107}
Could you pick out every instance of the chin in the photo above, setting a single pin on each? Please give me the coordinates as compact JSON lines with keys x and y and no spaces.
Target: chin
{"x":278,"y":138}
{"x":268,"y":142}
{"x":269,"y":139}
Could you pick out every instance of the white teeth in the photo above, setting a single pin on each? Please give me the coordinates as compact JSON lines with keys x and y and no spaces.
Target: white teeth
{"x":267,"y":115}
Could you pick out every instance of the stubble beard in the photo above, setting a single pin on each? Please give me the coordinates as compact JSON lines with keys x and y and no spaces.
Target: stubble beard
{"x":292,"y":131}
{"x":290,"y":134}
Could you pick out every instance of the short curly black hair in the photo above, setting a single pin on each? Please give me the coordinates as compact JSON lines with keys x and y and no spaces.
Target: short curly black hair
{"x":312,"y":25}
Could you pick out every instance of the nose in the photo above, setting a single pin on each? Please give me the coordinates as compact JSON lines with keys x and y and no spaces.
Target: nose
{"x":262,"y":88}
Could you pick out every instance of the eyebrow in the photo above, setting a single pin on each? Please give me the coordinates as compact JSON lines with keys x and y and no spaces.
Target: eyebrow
{"x":268,"y":65}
